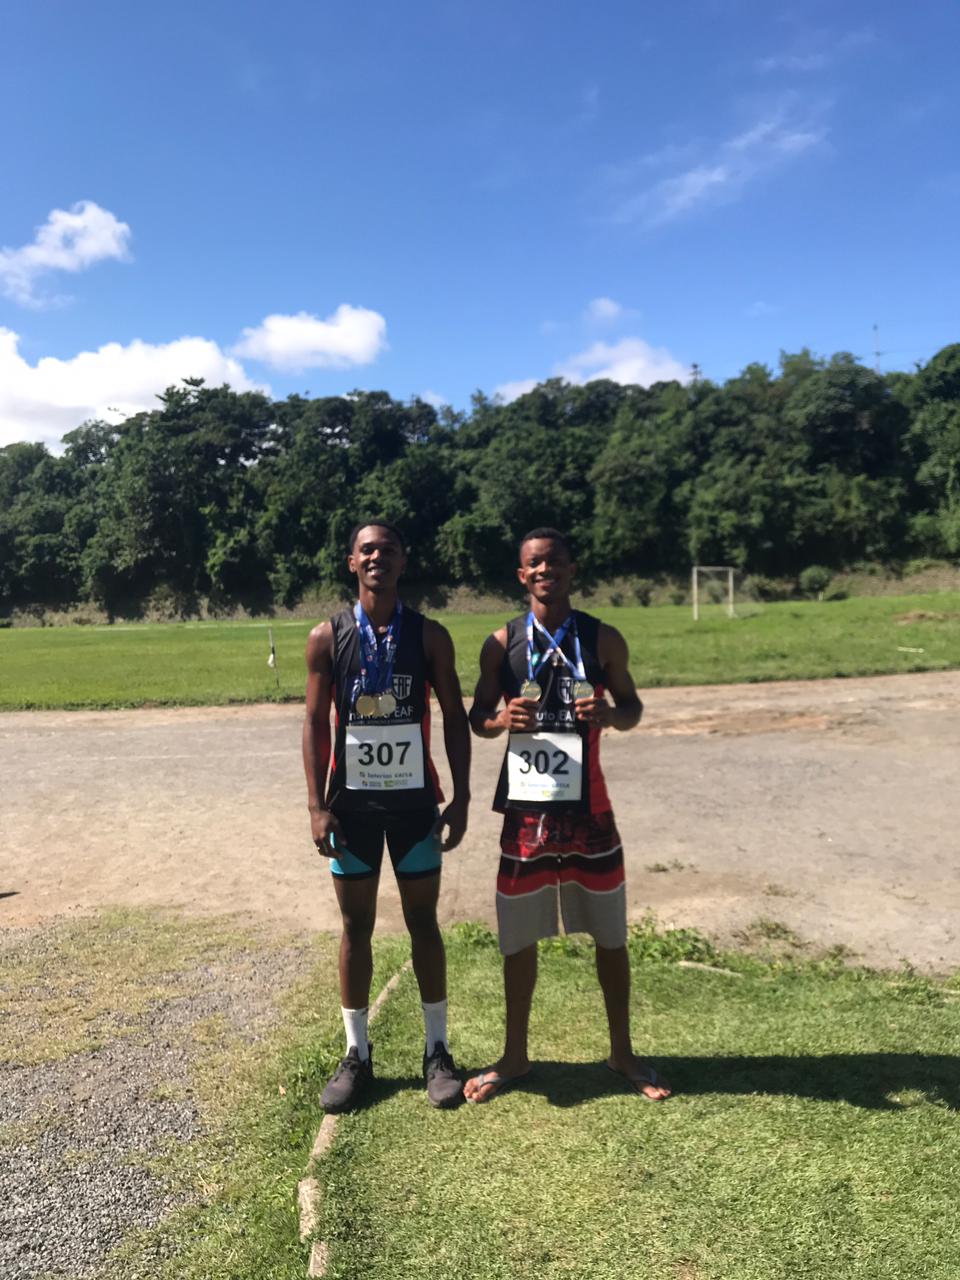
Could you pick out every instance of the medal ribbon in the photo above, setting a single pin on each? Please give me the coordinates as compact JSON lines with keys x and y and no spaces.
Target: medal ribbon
{"x":376,"y":660}
{"x":535,"y":658}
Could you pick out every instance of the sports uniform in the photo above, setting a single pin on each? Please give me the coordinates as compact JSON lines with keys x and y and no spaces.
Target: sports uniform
{"x":560,"y":850}
{"x":383,"y":784}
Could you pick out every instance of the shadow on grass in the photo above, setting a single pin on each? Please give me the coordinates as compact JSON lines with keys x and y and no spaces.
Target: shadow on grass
{"x":869,"y":1080}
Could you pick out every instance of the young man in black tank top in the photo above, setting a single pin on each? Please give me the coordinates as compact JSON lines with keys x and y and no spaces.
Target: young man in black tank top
{"x":560,"y":851}
{"x":376,"y":665}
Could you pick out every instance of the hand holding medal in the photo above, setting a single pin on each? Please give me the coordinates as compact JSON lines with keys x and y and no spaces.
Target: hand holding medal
{"x":592,"y":709}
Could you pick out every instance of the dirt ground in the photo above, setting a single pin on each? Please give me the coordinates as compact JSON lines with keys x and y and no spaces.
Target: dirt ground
{"x":829,"y":806}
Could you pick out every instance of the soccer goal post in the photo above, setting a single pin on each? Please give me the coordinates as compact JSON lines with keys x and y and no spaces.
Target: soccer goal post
{"x":711,"y":572}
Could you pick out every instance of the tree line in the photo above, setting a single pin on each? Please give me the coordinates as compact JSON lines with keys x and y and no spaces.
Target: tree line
{"x":238,"y":499}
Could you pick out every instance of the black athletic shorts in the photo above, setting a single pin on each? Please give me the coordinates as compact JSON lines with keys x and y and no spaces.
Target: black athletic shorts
{"x":412,"y":839}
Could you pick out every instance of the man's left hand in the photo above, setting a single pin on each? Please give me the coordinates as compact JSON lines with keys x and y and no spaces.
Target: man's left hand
{"x":454,"y":818}
{"x":596,"y":711}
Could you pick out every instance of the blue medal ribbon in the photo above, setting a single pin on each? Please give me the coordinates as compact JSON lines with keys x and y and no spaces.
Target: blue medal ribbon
{"x":376,"y":660}
{"x":535,"y":658}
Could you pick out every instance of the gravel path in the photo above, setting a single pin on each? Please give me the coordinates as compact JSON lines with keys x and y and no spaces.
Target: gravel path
{"x":76,"y":1135}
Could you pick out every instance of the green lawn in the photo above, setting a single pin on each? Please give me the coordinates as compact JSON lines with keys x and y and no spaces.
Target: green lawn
{"x":813,"y":1135}
{"x":213,"y":663}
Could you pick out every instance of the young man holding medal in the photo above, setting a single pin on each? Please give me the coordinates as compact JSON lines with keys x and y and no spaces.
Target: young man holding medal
{"x":560,"y":850}
{"x":376,"y":664}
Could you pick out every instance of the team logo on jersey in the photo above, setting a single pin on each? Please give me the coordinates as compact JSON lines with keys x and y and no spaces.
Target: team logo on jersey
{"x":565,"y":684}
{"x":402,"y":686}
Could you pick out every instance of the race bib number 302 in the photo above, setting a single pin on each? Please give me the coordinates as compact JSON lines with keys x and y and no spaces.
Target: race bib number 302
{"x":384,"y":757}
{"x":544,"y":766}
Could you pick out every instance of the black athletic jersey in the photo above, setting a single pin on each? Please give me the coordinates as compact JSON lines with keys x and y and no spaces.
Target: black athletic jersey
{"x":411,"y":688}
{"x":555,"y":711}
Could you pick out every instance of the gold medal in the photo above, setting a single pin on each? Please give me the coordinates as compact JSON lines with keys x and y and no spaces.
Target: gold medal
{"x":583,"y":689}
{"x":366,"y":705}
{"x":531,"y":689}
{"x":386,"y":704}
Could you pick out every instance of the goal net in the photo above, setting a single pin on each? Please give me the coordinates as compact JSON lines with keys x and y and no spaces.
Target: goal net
{"x":713,"y":590}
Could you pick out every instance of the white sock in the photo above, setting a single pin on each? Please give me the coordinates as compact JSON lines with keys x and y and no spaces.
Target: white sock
{"x":355,"y":1025}
{"x":435,"y":1024}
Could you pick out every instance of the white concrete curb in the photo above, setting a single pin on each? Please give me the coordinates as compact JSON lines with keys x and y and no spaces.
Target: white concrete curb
{"x":308,"y":1189}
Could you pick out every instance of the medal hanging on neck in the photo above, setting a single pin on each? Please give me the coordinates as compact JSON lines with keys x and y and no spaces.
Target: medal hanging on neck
{"x":582,"y":688}
{"x":373,"y":689}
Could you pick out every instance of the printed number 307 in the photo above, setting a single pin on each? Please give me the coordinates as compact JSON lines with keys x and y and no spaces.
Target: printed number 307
{"x":383,"y":753}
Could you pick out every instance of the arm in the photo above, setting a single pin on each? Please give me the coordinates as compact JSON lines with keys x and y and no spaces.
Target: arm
{"x":485,"y":720}
{"x":614,"y":659}
{"x":441,"y":663}
{"x":316,"y":735}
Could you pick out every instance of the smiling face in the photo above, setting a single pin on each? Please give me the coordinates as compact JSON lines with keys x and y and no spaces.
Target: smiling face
{"x":377,"y":558}
{"x":546,"y":570}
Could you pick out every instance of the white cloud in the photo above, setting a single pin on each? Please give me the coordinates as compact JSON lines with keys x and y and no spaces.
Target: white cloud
{"x":604,"y":311}
{"x":351,"y":336}
{"x":70,"y":240}
{"x":44,"y":400}
{"x":434,"y":398}
{"x":723,"y":172}
{"x":508,"y":391}
{"x":757,"y":310}
{"x":823,"y":48}
{"x":629,"y":361}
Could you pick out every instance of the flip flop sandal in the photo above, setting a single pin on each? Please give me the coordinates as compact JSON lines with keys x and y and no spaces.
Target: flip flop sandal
{"x":637,"y":1082}
{"x":500,"y":1083}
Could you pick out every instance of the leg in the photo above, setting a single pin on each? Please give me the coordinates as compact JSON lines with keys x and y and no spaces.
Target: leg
{"x":419,"y":901}
{"x":519,"y":981}
{"x":358,"y":909}
{"x":613,"y":970}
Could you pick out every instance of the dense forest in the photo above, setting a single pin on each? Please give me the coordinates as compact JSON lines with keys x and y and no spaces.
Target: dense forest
{"x":237,"y":499}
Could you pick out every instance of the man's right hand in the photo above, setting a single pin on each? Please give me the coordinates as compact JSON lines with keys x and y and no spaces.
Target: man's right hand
{"x":323,"y":825}
{"x":520,"y":714}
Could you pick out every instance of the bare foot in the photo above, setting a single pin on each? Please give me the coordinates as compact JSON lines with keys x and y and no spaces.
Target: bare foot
{"x":488,"y":1083}
{"x":641,"y":1077}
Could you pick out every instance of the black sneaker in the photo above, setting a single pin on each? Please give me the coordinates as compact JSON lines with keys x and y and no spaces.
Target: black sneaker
{"x":349,"y":1082}
{"x":444,"y":1087}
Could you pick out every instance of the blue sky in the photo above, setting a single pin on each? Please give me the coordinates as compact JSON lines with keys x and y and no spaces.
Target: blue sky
{"x":437,"y":197}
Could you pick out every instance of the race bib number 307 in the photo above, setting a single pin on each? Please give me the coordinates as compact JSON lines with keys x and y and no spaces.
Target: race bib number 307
{"x":544,"y":766}
{"x":384,"y":757}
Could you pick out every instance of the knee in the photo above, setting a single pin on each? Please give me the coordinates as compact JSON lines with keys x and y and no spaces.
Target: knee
{"x":422,"y":924}
{"x":358,"y":927}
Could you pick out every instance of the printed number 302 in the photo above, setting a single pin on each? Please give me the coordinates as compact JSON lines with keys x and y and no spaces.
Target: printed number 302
{"x":383,"y":753}
{"x":540,"y":760}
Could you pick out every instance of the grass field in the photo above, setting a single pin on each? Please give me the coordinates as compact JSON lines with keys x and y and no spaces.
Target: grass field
{"x":813,"y":1134}
{"x":213,"y":663}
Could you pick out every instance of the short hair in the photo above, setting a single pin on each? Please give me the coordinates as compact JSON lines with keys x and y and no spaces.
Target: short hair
{"x":376,"y":524}
{"x":546,"y":532}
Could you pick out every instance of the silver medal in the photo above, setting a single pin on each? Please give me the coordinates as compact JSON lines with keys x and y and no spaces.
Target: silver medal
{"x":386,"y":704}
{"x":531,"y":689}
{"x":582,"y":689}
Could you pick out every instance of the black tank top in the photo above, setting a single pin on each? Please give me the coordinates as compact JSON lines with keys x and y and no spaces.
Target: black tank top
{"x":411,"y":688}
{"x":555,"y":711}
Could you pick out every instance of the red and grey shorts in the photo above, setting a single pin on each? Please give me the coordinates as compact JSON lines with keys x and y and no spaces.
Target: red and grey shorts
{"x":555,"y":866}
